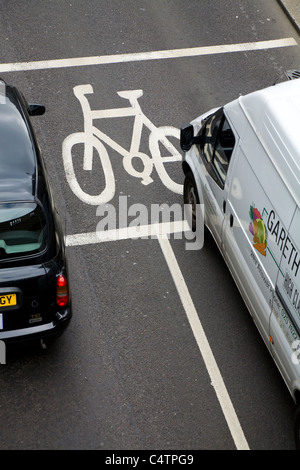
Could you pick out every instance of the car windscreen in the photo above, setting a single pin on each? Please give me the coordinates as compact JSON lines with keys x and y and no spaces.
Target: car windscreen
{"x":23,"y":230}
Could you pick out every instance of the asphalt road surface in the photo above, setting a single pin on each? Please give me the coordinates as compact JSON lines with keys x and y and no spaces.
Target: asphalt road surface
{"x":161,"y":352}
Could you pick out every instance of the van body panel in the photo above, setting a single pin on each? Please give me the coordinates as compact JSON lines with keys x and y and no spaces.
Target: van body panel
{"x":273,"y":113}
{"x":240,"y":246}
{"x":285,"y":319}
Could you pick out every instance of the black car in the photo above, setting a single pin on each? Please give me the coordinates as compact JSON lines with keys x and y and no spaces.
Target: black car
{"x":34,"y":289}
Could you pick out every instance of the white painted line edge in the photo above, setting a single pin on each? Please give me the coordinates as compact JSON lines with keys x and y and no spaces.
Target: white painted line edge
{"x":132,"y":232}
{"x":143,"y":56}
{"x":204,"y":347}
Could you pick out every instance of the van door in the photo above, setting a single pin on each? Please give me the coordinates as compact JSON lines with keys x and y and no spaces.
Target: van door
{"x":218,"y":144}
{"x":285,"y":318}
{"x":252,"y":247}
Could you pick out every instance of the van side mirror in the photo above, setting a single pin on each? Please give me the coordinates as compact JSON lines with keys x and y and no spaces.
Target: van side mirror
{"x":36,"y":109}
{"x":186,"y":137}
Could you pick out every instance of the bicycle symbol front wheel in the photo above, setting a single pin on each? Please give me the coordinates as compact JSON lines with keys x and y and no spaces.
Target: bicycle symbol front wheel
{"x":109,"y":186}
{"x":160,"y":139}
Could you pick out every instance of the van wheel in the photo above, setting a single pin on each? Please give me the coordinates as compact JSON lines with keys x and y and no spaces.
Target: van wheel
{"x":191,"y":198}
{"x":297,"y":428}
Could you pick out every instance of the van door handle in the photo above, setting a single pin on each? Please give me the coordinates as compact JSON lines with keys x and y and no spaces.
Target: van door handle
{"x":231,"y":220}
{"x":224,"y":206}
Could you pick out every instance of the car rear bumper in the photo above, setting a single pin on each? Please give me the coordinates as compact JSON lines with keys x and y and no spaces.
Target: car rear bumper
{"x":52,"y":329}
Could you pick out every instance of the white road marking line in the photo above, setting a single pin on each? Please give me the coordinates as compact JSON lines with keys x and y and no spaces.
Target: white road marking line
{"x":203,"y":344}
{"x":163,"y":229}
{"x":143,"y":56}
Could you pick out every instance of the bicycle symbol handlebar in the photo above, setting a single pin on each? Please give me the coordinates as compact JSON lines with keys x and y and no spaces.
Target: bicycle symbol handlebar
{"x":94,"y":139}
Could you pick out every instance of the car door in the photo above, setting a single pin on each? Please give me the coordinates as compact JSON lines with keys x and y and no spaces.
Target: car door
{"x":217,"y":146}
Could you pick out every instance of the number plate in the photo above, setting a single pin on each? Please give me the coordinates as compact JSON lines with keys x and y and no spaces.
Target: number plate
{"x":8,"y":300}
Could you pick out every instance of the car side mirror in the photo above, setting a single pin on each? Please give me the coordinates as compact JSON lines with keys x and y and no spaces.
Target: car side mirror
{"x":36,"y":109}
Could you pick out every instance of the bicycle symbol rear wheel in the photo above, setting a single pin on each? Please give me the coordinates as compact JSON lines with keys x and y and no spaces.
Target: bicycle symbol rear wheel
{"x":109,"y":188}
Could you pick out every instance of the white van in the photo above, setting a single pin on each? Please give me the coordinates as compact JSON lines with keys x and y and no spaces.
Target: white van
{"x":242,"y":161}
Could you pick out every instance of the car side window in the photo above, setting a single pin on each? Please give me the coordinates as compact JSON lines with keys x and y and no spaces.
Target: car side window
{"x":217,"y":146}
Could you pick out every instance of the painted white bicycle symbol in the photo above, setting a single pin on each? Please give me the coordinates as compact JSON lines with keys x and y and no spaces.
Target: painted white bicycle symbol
{"x":94,"y":140}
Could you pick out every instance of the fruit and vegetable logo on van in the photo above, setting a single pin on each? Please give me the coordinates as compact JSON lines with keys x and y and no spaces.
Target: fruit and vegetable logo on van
{"x":258,"y":229}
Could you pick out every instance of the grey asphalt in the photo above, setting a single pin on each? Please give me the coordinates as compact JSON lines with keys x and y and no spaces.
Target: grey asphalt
{"x":292,"y":9}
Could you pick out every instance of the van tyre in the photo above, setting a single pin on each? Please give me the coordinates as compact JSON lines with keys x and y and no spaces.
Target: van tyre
{"x":297,"y":428}
{"x":191,"y":198}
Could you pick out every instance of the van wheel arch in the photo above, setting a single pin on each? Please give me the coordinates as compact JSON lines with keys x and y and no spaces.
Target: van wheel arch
{"x":297,"y":420}
{"x":190,"y":198}
{"x":186,"y":167}
{"x":297,"y":427}
{"x":297,"y":397}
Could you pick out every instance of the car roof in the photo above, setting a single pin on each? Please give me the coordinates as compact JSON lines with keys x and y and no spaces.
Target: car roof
{"x":17,"y":150}
{"x":274,"y":114}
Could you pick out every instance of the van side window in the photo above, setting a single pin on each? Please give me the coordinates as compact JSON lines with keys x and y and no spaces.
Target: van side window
{"x":218,"y":145}
{"x":210,"y":132}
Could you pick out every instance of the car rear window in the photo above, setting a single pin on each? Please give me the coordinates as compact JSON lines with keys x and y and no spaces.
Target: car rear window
{"x":22,"y":230}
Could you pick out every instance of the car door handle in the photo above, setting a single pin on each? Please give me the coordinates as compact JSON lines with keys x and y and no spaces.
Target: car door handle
{"x":231,"y":220}
{"x":224,"y":206}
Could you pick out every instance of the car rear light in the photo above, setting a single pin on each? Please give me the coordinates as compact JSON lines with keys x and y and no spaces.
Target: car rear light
{"x":62,"y":291}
